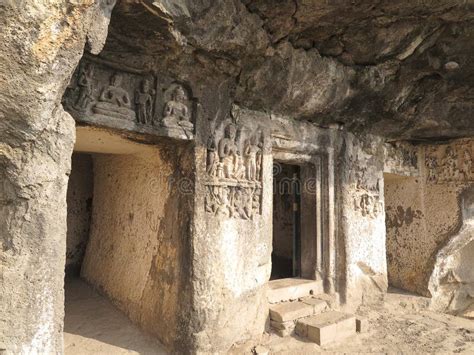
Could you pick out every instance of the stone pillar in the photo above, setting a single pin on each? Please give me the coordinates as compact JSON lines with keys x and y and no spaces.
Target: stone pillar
{"x":362,"y":217}
{"x":232,"y":235}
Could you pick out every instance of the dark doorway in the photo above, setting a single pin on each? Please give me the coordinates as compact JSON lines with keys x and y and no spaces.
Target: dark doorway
{"x":286,"y":255}
{"x":79,"y":211}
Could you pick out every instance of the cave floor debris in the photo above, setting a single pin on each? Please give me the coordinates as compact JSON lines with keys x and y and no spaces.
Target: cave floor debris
{"x":400,"y":323}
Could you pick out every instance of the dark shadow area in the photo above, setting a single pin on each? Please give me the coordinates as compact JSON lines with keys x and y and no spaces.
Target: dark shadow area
{"x":286,"y":254}
{"x":79,"y":211}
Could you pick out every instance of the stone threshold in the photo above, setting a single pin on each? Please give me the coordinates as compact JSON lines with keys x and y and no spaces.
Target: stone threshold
{"x":283,"y":290}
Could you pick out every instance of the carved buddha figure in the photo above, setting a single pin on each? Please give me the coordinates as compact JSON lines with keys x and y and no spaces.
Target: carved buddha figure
{"x":114,"y":94}
{"x":450,"y":164}
{"x":144,"y":102}
{"x":467,"y":164}
{"x":432,"y":164}
{"x":260,"y":138}
{"x":239,"y":167}
{"x":84,"y":83}
{"x":250,"y":153}
{"x":115,"y":101}
{"x":223,"y":205}
{"x":228,"y":151}
{"x":212,"y":156}
{"x":240,"y":204}
{"x":176,"y":112}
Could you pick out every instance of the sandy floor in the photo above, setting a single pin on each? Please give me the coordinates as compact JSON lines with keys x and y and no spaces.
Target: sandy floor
{"x":399,"y":324}
{"x":94,"y":326}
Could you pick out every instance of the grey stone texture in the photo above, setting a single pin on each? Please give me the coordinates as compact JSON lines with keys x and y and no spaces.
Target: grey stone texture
{"x":211,"y":94}
{"x":41,"y":45}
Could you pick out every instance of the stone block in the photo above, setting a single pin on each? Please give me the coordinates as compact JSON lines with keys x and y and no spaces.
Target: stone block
{"x":327,"y":327}
{"x":319,"y":306}
{"x":284,"y":312}
{"x":362,"y":324}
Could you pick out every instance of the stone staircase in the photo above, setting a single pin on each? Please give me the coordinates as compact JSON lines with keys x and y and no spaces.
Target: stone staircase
{"x":312,"y":316}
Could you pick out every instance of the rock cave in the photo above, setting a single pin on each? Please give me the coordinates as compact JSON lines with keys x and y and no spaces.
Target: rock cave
{"x":236,"y":176}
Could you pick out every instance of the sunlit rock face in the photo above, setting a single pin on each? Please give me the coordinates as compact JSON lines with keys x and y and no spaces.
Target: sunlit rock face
{"x":229,"y":86}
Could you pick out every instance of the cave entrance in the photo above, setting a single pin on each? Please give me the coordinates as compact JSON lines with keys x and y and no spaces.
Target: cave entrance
{"x":125,"y":219}
{"x":286,"y":254}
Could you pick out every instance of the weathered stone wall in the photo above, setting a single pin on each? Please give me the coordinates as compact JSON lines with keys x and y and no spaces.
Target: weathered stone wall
{"x":79,"y":210}
{"x":361,"y":220}
{"x":42,"y":43}
{"x":425,"y":212}
{"x":451,"y":283}
{"x":137,"y":253}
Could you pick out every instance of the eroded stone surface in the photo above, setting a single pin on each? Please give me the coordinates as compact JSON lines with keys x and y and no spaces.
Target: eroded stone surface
{"x":244,"y":84}
{"x":36,"y":142}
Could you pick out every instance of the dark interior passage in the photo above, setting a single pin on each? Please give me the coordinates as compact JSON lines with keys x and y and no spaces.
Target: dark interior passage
{"x":79,"y":205}
{"x":286,"y":255}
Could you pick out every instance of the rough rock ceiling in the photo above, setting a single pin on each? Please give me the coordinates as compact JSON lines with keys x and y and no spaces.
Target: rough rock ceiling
{"x":400,"y":69}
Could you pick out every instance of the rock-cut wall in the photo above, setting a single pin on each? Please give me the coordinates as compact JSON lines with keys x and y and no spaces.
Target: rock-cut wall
{"x":42,"y":42}
{"x":424,"y":213}
{"x":137,"y":253}
{"x":79,"y":211}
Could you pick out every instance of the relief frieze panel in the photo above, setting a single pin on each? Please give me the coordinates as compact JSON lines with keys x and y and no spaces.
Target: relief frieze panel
{"x":367,"y":186}
{"x":234,"y":171}
{"x":120,"y":97}
{"x":450,"y":163}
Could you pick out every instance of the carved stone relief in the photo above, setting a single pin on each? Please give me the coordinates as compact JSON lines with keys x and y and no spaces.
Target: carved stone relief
{"x":234,"y":171}
{"x":100,"y":90}
{"x":451,"y":163}
{"x":367,"y":192}
{"x":369,"y":205}
{"x":176,"y":112}
{"x":114,"y":101}
{"x":401,"y":159}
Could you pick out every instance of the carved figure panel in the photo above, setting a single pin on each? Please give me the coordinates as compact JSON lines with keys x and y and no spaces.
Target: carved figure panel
{"x":176,"y":113}
{"x":234,"y":171}
{"x":144,"y":98}
{"x":114,"y":101}
{"x":450,"y":163}
{"x":368,"y":205}
{"x":401,"y":158}
{"x":233,"y":201}
{"x":102,"y":90}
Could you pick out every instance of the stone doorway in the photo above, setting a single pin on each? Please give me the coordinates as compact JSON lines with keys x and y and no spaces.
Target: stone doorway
{"x":128,"y":208}
{"x":298,"y":214}
{"x":286,"y":254}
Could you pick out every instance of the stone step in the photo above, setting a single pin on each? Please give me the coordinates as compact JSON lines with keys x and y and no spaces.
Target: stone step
{"x":287,"y":311}
{"x":283,"y":316}
{"x":292,"y":289}
{"x":326,"y":328}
